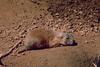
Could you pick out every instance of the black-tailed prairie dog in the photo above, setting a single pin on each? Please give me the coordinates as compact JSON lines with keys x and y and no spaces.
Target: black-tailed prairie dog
{"x":44,"y":38}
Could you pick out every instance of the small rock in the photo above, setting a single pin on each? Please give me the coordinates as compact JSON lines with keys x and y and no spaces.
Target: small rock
{"x":86,"y":41}
{"x":16,"y":38}
{"x":23,"y":53}
{"x":96,"y":29}
{"x":80,"y":12}
{"x":57,"y":14}
{"x":70,"y":26}
{"x":22,"y":36}
{"x":91,"y":29}
{"x":22,"y":32}
{"x":97,"y":20}
{"x":1,"y":54}
{"x":17,"y":27}
{"x":90,"y":16}
{"x":82,"y":33}
{"x":56,"y":25}
{"x":59,"y":20}
{"x":35,"y":26}
{"x":75,"y":11}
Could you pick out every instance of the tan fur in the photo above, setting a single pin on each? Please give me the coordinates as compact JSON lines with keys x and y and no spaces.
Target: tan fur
{"x":43,"y":38}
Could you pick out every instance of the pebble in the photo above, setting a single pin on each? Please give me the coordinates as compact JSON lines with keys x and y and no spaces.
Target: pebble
{"x":22,"y":32}
{"x":23,"y":53}
{"x":82,"y":33}
{"x":56,"y":25}
{"x":80,"y":12}
{"x":97,"y":20}
{"x":96,"y":29}
{"x":1,"y":54}
{"x":90,"y":16}
{"x":17,"y":27}
{"x":86,"y":41}
{"x":57,"y":14}
{"x":16,"y":38}
{"x":59,"y":20}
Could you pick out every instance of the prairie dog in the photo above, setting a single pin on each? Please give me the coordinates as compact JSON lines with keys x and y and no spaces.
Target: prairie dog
{"x":43,"y":38}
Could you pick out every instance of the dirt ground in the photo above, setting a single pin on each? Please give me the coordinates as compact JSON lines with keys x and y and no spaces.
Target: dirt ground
{"x":80,"y":17}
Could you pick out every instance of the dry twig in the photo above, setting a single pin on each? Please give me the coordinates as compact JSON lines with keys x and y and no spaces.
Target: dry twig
{"x":9,"y":51}
{"x":96,"y":62}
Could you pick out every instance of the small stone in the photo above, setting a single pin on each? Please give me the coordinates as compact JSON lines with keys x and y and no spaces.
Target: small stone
{"x":35,"y":26}
{"x":57,"y":14}
{"x":22,"y":36}
{"x":17,"y":27}
{"x":80,"y":12}
{"x":96,"y":29}
{"x":97,"y":20}
{"x":59,"y":20}
{"x":90,"y":16}
{"x":75,"y":11}
{"x":23,"y":53}
{"x":82,"y":33}
{"x":16,"y":38}
{"x":56,"y":25}
{"x":86,"y":41}
{"x":22,"y":32}
{"x":1,"y":54}
{"x":91,"y":29}
{"x":70,"y":26}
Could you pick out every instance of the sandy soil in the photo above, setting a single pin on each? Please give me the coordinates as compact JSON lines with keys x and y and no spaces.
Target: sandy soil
{"x":80,"y":17}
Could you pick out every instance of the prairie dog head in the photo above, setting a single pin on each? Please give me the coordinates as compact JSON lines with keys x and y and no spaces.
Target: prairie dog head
{"x":66,"y":38}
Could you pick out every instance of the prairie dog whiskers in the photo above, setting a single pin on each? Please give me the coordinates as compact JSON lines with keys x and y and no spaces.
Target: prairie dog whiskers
{"x":43,"y":38}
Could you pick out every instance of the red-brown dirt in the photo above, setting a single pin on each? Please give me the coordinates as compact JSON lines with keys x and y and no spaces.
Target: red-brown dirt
{"x":80,"y":17}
